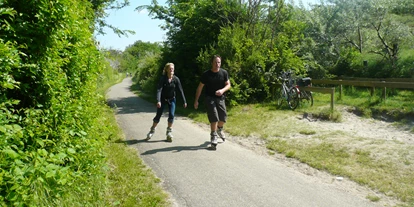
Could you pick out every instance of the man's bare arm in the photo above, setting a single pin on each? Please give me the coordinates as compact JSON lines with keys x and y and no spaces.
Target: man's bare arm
{"x":198,"y":93}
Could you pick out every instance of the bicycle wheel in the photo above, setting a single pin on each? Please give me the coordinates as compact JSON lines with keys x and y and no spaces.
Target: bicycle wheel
{"x":310,"y":97}
{"x":293,"y":98}
{"x":281,"y":96}
{"x":307,"y":97}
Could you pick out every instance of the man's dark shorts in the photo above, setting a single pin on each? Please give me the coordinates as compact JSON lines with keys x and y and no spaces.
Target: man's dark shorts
{"x":216,"y":109}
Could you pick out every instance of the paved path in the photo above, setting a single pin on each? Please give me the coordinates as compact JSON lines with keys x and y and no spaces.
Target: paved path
{"x":231,"y":176}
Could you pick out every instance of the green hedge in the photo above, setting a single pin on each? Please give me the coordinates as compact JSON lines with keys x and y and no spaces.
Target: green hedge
{"x":50,"y":127}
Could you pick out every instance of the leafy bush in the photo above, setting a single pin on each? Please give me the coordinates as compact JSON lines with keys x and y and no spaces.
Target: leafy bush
{"x":149,"y":73}
{"x":406,"y":64}
{"x":50,"y":127}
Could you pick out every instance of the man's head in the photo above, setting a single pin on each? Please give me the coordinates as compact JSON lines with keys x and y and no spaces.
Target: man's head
{"x":216,"y":62}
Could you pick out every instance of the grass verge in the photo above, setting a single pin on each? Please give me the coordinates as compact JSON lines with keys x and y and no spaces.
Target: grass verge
{"x":129,"y":181}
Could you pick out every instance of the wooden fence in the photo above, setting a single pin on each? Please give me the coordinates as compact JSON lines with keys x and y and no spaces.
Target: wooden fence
{"x":402,"y":83}
{"x":376,"y":79}
{"x":372,"y":83}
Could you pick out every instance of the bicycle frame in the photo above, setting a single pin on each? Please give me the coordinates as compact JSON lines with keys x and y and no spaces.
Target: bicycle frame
{"x":288,"y":92}
{"x":302,"y":94}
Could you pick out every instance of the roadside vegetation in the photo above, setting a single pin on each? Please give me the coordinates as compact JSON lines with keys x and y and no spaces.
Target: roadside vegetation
{"x":59,"y":141}
{"x":130,"y":181}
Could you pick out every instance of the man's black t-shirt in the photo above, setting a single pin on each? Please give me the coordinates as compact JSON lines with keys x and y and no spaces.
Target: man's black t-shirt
{"x":214,"y":81}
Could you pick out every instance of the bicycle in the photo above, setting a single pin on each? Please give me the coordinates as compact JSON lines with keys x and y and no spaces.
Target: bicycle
{"x":288,"y":92}
{"x":304,"y":95}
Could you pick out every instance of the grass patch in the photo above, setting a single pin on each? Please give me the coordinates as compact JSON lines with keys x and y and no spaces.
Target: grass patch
{"x":327,"y":114}
{"x":263,"y":120}
{"x":307,"y":132}
{"x":391,"y":176}
{"x":373,"y":198}
{"x":397,"y":106}
{"x":82,"y":193}
{"x":131,"y":183}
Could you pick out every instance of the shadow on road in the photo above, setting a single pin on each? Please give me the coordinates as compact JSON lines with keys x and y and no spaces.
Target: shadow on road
{"x":136,"y":141}
{"x":203,"y":146}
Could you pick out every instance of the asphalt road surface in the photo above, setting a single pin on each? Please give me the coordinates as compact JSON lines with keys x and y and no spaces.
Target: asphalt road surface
{"x":230,"y":176}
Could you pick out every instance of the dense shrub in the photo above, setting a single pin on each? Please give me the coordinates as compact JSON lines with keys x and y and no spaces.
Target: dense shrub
{"x":50,"y":132}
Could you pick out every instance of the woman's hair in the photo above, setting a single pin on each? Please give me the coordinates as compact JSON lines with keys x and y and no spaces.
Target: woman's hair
{"x":166,"y":67}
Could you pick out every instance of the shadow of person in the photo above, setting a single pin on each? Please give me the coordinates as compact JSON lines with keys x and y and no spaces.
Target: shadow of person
{"x":178,"y":148}
{"x":136,"y":141}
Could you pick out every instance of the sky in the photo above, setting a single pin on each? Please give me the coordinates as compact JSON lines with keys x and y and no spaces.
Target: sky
{"x":146,"y":29}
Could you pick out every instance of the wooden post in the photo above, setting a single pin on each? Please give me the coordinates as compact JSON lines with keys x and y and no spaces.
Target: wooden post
{"x":384,"y":93}
{"x":340,"y":92}
{"x":322,"y":90}
{"x":372,"y":91}
{"x":332,"y":99}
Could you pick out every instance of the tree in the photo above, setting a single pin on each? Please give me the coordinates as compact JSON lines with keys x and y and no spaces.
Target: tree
{"x":100,"y":8}
{"x":136,"y":54}
{"x":255,"y":38}
{"x":192,"y":25}
{"x":368,"y":26}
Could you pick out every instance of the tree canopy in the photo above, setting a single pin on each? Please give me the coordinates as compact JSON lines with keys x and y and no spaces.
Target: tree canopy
{"x":258,"y":39}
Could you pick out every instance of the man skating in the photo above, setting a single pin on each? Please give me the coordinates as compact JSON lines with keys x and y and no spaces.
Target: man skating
{"x":217,"y":82}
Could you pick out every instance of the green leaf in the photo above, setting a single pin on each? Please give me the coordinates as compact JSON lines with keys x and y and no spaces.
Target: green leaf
{"x":71,"y":151}
{"x":51,"y":174}
{"x":8,"y":85}
{"x":11,"y":153}
{"x":62,"y":181}
{"x":41,"y":179}
{"x":42,"y":152}
{"x":12,"y":196}
{"x":40,"y":142}
{"x":71,"y":133}
{"x":61,"y":156}
{"x":18,"y":171}
{"x":14,"y":187}
{"x":17,"y":127}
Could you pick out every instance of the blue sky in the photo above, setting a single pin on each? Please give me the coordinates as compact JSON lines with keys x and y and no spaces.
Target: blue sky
{"x":146,"y":29}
